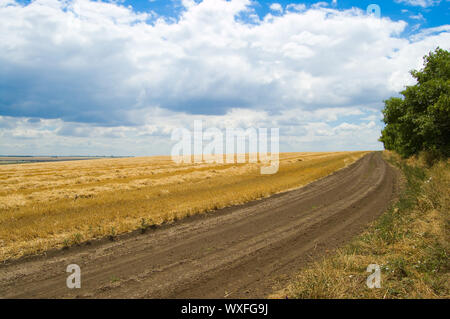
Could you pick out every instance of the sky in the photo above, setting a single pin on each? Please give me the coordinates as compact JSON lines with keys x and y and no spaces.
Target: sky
{"x":81,"y":77}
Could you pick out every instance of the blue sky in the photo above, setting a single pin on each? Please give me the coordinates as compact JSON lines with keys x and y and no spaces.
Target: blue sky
{"x":79,"y":77}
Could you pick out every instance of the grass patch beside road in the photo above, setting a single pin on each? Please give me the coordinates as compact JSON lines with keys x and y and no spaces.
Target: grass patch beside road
{"x":410,"y":242}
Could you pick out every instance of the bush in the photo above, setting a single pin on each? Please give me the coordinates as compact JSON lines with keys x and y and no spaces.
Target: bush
{"x":430,"y":157}
{"x":420,"y":121}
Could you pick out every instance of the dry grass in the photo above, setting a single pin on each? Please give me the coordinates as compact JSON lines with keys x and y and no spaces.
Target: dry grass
{"x":410,"y":242}
{"x":51,"y":205}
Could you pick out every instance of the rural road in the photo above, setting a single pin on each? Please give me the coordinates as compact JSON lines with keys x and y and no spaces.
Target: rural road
{"x":247,"y":251}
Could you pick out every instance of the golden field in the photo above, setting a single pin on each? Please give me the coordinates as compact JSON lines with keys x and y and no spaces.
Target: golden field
{"x":57,"y":204}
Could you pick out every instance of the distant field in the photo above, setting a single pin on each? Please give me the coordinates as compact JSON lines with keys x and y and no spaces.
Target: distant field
{"x":56,"y":204}
{"x":40,"y":159}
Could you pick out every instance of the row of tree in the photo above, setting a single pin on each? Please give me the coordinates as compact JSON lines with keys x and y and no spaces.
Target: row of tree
{"x":420,"y":120}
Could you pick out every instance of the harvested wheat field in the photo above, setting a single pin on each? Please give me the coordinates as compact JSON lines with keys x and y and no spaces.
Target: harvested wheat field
{"x":57,"y":204}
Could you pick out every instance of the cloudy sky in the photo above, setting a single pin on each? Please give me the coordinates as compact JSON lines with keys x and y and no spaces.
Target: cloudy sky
{"x":81,"y":77}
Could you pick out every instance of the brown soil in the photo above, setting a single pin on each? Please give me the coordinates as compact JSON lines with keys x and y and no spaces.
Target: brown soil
{"x":247,"y":251}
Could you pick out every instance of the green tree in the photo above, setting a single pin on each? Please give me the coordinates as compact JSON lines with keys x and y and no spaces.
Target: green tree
{"x":420,"y":120}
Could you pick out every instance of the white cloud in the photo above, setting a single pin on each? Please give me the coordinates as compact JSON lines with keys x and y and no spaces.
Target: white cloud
{"x":301,"y":130}
{"x":420,"y":3}
{"x":101,"y":71}
{"x":320,"y":4}
{"x":417,"y":17}
{"x":276,"y":7}
{"x":296,"y":7}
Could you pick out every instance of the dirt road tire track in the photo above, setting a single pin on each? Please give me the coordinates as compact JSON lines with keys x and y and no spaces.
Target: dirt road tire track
{"x":239,"y":252}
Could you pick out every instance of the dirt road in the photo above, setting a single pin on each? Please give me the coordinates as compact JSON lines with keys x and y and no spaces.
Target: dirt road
{"x":245,"y":251}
